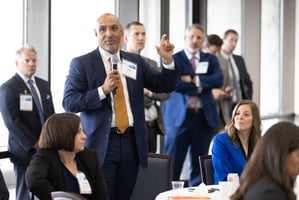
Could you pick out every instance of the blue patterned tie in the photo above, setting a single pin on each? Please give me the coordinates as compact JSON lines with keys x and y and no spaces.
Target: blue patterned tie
{"x":37,"y":102}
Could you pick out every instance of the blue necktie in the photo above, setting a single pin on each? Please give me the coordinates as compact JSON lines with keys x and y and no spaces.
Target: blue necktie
{"x":37,"y":102}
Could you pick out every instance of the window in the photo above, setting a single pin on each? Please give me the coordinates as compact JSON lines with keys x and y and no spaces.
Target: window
{"x":223,"y":15}
{"x":270,"y":58}
{"x":72,"y":35}
{"x":11,"y":20}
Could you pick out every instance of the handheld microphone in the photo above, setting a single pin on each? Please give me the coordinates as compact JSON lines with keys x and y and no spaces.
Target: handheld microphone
{"x":114,"y":60}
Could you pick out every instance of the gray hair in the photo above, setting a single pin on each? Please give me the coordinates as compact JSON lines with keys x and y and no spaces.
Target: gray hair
{"x":27,"y":47}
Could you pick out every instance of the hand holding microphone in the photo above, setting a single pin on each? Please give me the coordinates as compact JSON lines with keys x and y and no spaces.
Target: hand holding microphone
{"x":113,"y":78}
{"x":114,"y":61}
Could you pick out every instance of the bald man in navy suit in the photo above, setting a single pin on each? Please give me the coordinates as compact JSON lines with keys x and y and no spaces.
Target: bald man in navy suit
{"x":90,"y":89}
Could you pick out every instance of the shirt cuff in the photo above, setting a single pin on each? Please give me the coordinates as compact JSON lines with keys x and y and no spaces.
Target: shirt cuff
{"x":101,"y":93}
{"x":170,"y":66}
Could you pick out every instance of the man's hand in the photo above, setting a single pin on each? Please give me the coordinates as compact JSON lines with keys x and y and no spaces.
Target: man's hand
{"x":111,"y":81}
{"x":186,"y":78}
{"x":165,"y":50}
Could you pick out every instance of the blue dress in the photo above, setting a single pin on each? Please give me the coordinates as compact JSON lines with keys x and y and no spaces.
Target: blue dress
{"x":226,"y":157}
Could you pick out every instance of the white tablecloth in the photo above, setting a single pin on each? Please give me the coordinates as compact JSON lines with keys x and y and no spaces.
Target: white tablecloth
{"x":193,"y":191}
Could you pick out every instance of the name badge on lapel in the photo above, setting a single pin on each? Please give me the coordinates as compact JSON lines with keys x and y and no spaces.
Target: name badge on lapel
{"x":202,"y":67}
{"x":83,"y":183}
{"x":129,"y":69}
{"x":26,"y":102}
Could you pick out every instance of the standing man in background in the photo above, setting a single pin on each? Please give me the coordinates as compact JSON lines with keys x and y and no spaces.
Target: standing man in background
{"x":190,"y":114}
{"x":237,"y":69}
{"x":26,"y":102}
{"x":135,"y":38}
{"x":97,"y":83}
{"x":221,"y":95}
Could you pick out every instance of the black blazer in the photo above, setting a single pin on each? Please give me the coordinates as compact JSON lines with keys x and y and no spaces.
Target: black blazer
{"x":24,"y":127}
{"x":265,"y":189}
{"x":245,"y":80}
{"x":45,"y":174}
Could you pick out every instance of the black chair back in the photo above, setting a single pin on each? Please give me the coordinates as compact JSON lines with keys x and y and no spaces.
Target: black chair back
{"x":206,"y":169}
{"x":154,"y":179}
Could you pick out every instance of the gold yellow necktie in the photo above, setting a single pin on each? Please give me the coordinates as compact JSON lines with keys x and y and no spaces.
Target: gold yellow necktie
{"x":120,"y":108}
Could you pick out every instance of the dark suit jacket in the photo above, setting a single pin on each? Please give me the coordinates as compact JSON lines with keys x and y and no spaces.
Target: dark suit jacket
{"x":45,"y":174}
{"x":23,"y":126}
{"x":265,"y":189}
{"x":245,"y":80}
{"x":174,"y":108}
{"x":86,"y":74}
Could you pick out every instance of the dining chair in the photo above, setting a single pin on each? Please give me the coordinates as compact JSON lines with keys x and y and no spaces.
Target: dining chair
{"x":63,"y":195}
{"x":206,"y":169}
{"x":154,"y":179}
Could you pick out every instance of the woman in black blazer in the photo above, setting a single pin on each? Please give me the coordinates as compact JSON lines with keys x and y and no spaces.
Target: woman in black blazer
{"x":273,"y":167}
{"x":63,"y":163}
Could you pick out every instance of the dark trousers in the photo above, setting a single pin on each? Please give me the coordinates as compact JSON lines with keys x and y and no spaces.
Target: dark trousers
{"x":121,"y":165}
{"x":152,"y":131}
{"x":193,"y":136}
{"x":21,"y":189}
{"x":4,"y":194}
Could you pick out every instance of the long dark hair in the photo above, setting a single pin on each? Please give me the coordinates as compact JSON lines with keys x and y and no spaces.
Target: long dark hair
{"x":269,"y":159}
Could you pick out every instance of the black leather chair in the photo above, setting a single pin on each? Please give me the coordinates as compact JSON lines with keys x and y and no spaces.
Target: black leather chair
{"x":63,"y":195}
{"x":206,"y":169}
{"x":154,"y":179}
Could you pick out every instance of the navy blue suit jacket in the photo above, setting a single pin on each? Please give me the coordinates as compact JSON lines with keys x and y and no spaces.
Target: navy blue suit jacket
{"x":23,"y":126}
{"x":87,"y":73}
{"x":174,"y":109}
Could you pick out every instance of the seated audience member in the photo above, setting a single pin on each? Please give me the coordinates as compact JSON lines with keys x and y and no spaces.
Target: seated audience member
{"x":4,"y":194}
{"x":232,"y":148}
{"x":62,"y":163}
{"x":274,"y":165}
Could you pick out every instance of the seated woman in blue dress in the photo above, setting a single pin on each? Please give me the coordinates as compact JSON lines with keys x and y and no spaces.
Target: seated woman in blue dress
{"x":62,"y":163}
{"x":232,"y":148}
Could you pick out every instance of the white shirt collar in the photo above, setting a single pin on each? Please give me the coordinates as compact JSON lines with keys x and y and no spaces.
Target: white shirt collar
{"x":25,"y":78}
{"x":106,"y":55}
{"x":189,"y":55}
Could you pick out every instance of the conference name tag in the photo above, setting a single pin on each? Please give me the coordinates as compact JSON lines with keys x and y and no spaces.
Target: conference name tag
{"x":26,"y":102}
{"x":202,"y":67}
{"x":129,"y":69}
{"x":83,"y":183}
